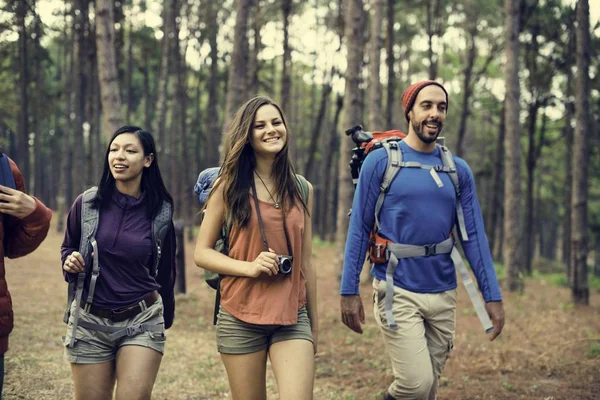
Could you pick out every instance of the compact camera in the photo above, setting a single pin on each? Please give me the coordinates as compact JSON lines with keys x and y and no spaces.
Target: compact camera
{"x":285,"y":264}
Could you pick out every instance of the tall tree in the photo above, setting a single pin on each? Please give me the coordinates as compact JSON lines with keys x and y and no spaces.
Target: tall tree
{"x":375,"y":45}
{"x":354,"y":28}
{"x":162,"y":91}
{"x":107,"y":67}
{"x":81,"y":22}
{"x":436,"y":17}
{"x":286,"y":71}
{"x":236,"y":83}
{"x":579,"y":202}
{"x":22,"y":124}
{"x":390,"y":61}
{"x":213,"y":126}
{"x":512,"y":161}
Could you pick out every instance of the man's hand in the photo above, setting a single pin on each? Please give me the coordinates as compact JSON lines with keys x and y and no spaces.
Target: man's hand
{"x":353,"y":313}
{"x":495,"y":310}
{"x":16,"y":203}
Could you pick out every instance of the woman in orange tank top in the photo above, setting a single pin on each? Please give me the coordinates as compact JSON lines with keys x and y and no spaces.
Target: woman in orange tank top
{"x":268,"y":283}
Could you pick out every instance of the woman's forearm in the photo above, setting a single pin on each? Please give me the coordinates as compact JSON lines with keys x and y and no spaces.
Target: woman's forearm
{"x":215,"y":261}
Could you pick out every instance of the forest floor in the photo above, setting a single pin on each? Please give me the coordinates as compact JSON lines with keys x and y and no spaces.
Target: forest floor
{"x":549,"y":349}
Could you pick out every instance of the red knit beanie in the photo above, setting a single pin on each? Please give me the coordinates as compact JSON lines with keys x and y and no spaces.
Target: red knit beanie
{"x":409,"y":96}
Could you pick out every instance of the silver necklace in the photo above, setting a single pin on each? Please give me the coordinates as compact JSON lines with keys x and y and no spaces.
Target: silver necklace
{"x":275,"y":202}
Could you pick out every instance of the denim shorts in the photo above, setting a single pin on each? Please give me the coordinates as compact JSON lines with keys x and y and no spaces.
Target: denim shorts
{"x":235,"y":336}
{"x":93,"y":347}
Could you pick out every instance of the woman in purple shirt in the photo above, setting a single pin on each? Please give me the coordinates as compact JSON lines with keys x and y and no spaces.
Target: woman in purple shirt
{"x":119,"y":335}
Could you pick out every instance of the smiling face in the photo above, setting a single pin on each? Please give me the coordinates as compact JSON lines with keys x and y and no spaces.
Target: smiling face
{"x":126,"y":158}
{"x":428,"y":113}
{"x":268,"y":135}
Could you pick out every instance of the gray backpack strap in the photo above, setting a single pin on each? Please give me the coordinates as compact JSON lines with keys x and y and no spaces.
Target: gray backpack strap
{"x":448,"y":161}
{"x":160,"y":226}
{"x":89,"y":224}
{"x":394,"y":164}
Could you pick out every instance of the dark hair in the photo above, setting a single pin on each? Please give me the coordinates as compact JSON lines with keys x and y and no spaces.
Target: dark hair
{"x":238,"y":167}
{"x":152,"y":183}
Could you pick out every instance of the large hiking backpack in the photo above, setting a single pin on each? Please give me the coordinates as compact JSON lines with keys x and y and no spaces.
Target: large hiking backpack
{"x":6,"y":176}
{"x":88,"y":245}
{"x":382,"y":250}
{"x":202,"y":188}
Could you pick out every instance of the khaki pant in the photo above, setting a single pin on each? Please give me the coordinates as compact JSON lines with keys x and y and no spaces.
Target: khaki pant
{"x":420,"y":345}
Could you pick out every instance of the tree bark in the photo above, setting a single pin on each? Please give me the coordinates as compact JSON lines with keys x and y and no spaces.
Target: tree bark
{"x":22,"y":156}
{"x":286,"y":10}
{"x":354,"y":27}
{"x":316,"y":131}
{"x":568,"y":193}
{"x":496,"y":194}
{"x":512,"y":257}
{"x":330,"y":199}
{"x":236,"y":83}
{"x":212,"y":109}
{"x":391,"y":82}
{"x":529,"y":202}
{"x":130,"y":74}
{"x":375,"y":45}
{"x":107,"y":68}
{"x":467,"y":90}
{"x":254,"y":67}
{"x":579,"y":202}
{"x":162,"y":91}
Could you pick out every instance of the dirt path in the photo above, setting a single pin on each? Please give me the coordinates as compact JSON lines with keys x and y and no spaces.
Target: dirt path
{"x":549,"y":349}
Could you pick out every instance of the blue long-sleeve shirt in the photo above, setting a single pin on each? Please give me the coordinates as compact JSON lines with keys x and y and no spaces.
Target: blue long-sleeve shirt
{"x":417,"y":211}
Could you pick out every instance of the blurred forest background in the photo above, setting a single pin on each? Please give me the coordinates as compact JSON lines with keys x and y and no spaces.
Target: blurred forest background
{"x":523,"y":78}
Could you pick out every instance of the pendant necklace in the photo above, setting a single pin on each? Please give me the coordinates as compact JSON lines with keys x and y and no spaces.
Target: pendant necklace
{"x":275,"y":202}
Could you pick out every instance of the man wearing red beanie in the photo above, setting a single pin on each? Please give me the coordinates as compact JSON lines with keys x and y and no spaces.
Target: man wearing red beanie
{"x":409,"y":217}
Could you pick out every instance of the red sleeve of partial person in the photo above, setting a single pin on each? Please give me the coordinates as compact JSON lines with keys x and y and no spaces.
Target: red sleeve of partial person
{"x":22,"y":236}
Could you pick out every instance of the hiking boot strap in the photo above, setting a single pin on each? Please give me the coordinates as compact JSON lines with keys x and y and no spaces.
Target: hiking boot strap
{"x":121,"y":314}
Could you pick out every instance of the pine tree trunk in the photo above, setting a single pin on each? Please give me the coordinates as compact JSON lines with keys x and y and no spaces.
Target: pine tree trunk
{"x":316,"y":131}
{"x":495,"y":194}
{"x":512,"y":256}
{"x":354,"y":26}
{"x":375,"y":45}
{"x":65,"y":191}
{"x":212,"y":118}
{"x":568,"y":185}
{"x":130,"y":74}
{"x":162,"y":91}
{"x":81,"y":22}
{"x":107,"y":68}
{"x":579,"y":202}
{"x":467,"y":91}
{"x":391,"y":82}
{"x":22,"y":156}
{"x":236,"y":83}
{"x":330,"y":199}
{"x":254,"y":62}
{"x":286,"y":10}
{"x":529,"y":202}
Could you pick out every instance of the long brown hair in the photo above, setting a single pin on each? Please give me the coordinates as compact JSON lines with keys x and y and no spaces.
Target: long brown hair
{"x":238,"y":167}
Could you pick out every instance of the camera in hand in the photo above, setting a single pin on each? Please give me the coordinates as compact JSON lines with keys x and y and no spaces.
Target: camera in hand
{"x":285,"y":264}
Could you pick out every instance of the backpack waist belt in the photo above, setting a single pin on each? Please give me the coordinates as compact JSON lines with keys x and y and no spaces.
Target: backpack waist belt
{"x":121,"y":314}
{"x":396,"y":251}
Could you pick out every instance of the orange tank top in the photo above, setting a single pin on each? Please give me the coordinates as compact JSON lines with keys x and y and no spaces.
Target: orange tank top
{"x":266,"y":300}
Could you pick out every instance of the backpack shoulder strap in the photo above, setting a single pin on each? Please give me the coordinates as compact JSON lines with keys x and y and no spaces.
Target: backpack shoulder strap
{"x":302,"y":187}
{"x":394,"y":163}
{"x":448,"y":161}
{"x":6,"y":172}
{"x":160,"y":226}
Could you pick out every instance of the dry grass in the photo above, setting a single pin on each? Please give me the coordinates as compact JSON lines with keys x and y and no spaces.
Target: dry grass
{"x":549,"y":349}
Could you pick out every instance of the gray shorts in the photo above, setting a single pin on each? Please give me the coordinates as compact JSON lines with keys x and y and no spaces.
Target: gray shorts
{"x":93,"y":347}
{"x":235,"y":336}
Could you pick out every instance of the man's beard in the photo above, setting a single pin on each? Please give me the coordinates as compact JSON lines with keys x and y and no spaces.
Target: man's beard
{"x":419,"y":128}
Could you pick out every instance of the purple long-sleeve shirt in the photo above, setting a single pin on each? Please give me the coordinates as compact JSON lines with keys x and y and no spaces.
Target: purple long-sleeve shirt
{"x":125,"y":254}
